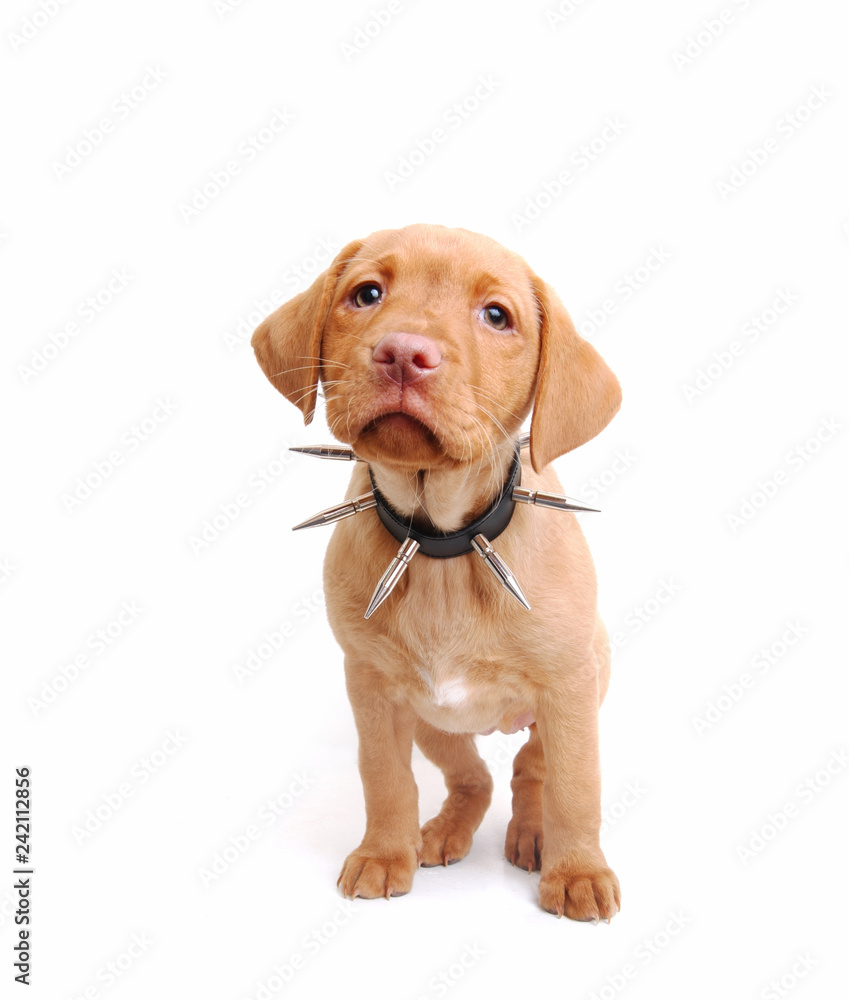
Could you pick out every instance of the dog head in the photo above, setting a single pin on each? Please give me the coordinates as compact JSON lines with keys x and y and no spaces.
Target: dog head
{"x":432,"y":345}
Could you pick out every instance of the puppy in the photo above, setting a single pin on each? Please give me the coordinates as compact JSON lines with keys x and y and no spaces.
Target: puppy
{"x":432,"y":346}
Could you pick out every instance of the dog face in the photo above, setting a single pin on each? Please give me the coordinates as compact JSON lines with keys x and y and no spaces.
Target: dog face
{"x":432,"y":345}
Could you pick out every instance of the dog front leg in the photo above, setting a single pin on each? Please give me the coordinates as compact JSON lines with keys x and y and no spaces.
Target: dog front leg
{"x":386,"y":860}
{"x":575,"y":878}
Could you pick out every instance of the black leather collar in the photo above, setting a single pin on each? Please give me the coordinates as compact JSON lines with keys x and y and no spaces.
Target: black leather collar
{"x":442,"y":545}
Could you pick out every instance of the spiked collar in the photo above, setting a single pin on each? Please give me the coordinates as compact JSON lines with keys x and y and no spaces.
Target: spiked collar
{"x":446,"y":545}
{"x":475,"y":537}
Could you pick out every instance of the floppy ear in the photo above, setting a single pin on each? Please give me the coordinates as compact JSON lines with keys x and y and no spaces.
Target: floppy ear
{"x":577,"y":395}
{"x":287,"y":343}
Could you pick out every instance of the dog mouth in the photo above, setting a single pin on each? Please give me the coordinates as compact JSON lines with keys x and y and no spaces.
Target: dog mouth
{"x":400,"y":424}
{"x":398,"y":437}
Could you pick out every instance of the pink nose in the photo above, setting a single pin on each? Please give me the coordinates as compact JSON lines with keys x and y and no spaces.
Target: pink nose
{"x":406,"y":357}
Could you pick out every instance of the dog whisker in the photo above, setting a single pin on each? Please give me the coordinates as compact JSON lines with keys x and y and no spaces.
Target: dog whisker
{"x":498,"y":424}
{"x":321,"y":391}
{"x":316,"y":357}
{"x":418,"y":500}
{"x":302,"y":368}
{"x":302,"y":396}
{"x":490,"y":453}
{"x":493,"y":399}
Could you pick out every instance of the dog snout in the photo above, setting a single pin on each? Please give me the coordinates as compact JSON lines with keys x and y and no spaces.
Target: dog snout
{"x":405,"y":358}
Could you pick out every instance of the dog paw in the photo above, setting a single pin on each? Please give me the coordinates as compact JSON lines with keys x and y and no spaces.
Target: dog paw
{"x":371,"y":876}
{"x":445,"y":841}
{"x":523,"y":847}
{"x":580,"y":890}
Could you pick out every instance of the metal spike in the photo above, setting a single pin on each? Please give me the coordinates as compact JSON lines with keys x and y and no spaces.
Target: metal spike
{"x":500,"y":570}
{"x":340,"y":453}
{"x":555,"y":501}
{"x":393,"y":574}
{"x":336,"y":452}
{"x":365,"y":502}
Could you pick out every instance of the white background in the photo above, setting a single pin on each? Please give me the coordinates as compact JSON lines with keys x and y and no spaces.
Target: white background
{"x":693,"y":108}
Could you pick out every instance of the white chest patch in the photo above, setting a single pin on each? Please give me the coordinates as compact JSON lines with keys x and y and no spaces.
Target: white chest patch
{"x":450,"y":694}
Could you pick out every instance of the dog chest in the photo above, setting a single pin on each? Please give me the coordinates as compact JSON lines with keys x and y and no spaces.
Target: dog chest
{"x":466,"y":702}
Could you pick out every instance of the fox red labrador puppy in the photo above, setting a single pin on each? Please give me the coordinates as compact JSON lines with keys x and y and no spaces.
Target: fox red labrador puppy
{"x":432,"y":346}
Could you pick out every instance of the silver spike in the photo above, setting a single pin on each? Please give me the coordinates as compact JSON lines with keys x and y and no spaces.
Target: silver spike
{"x":555,"y":501}
{"x":336,"y":452}
{"x":393,"y":574}
{"x":500,"y":570}
{"x":365,"y":502}
{"x":340,"y":453}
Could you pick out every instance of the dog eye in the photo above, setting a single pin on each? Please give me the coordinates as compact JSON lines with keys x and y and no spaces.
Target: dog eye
{"x":367,"y":295}
{"x":496,"y":317}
